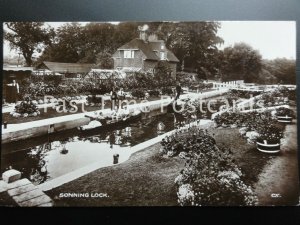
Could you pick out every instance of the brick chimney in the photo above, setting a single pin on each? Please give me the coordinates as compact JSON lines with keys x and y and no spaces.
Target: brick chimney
{"x":143,"y":35}
{"x":143,"y":32}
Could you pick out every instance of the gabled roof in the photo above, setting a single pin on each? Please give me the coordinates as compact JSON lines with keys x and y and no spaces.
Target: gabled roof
{"x":148,"y":49}
{"x":140,"y":44}
{"x":58,"y":67}
{"x":171,"y":57}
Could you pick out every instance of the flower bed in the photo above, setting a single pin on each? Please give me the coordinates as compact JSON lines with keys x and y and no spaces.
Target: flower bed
{"x":243,"y":93}
{"x":154,"y":93}
{"x":262,"y":128}
{"x":138,"y":93}
{"x":284,"y":115}
{"x":26,"y":108}
{"x":278,"y":96}
{"x":209,"y":177}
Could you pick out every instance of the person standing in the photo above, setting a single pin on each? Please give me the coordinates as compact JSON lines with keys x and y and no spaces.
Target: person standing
{"x":13,"y":92}
{"x":121,"y":97}
{"x":178,"y":91}
{"x":114,"y":98}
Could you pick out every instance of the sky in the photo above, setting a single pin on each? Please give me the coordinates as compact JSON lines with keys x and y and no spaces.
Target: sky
{"x":273,"y":39}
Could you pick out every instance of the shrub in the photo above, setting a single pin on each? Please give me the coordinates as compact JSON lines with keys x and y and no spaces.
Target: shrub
{"x":210,"y":177}
{"x":94,"y":99}
{"x":167,"y":91}
{"x":292,"y":95}
{"x":138,"y":93}
{"x":27,"y":108}
{"x":154,"y":93}
{"x":243,"y":93}
{"x":282,"y":111}
{"x":272,"y":133}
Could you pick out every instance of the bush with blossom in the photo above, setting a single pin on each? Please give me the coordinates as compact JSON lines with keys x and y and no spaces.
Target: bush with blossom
{"x":242,"y":93}
{"x":26,"y":108}
{"x":277,"y":96}
{"x":262,"y":125}
{"x":210,"y":177}
{"x":272,"y":133}
{"x":282,"y":111}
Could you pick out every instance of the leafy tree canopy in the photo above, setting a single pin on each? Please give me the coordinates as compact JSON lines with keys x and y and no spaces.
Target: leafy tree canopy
{"x":240,"y":62}
{"x":28,"y":38}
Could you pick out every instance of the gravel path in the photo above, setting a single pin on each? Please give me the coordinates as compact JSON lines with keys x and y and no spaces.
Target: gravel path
{"x":278,"y":184}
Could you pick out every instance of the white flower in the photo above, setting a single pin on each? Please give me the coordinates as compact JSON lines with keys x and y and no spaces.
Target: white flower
{"x":186,"y":195}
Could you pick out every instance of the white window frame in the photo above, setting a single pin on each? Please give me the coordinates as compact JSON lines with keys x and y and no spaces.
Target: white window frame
{"x":128,"y":54}
{"x":162,"y":55}
{"x":162,"y":47}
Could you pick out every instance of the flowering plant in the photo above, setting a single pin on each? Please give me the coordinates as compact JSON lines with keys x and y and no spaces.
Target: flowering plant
{"x":272,"y":133}
{"x":209,"y":177}
{"x":26,"y":108}
{"x":282,"y":111}
{"x":138,"y":93}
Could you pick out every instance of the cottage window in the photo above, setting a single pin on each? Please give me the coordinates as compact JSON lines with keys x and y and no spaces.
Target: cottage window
{"x":162,"y":56}
{"x":128,"y":54}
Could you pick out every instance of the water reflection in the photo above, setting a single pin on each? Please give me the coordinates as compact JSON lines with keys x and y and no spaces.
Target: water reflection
{"x":63,"y":144}
{"x":56,"y":157}
{"x":37,"y":156}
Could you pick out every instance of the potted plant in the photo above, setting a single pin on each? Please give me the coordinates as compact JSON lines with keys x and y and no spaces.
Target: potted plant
{"x":269,"y":137}
{"x":284,"y":115}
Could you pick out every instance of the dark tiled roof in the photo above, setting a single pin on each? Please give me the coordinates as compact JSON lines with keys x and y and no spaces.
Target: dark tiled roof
{"x":144,"y":47}
{"x":148,"y":49}
{"x":171,"y":57}
{"x":58,"y":67}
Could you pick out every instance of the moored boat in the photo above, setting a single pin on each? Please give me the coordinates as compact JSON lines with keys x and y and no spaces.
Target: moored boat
{"x":105,"y":123}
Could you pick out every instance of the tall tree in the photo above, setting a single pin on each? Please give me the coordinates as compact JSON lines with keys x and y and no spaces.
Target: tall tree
{"x":92,"y":43}
{"x":162,"y":75}
{"x":68,"y":45}
{"x":28,"y":37}
{"x":241,"y":62}
{"x":194,"y":44}
{"x":284,"y":70}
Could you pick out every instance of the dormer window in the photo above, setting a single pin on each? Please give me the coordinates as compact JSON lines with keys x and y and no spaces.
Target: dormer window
{"x":128,"y":54}
{"x":162,"y":55}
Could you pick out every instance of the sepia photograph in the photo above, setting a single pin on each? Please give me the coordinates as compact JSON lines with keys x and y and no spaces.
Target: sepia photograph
{"x":152,"y":113}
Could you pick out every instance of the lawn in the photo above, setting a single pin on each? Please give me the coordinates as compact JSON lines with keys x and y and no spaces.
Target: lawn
{"x":147,"y":179}
{"x":246,"y":156}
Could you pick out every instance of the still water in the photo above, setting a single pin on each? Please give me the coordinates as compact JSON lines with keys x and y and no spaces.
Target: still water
{"x":45,"y":158}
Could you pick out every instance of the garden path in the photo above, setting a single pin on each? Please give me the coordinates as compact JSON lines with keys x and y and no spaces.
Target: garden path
{"x":278,"y":184}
